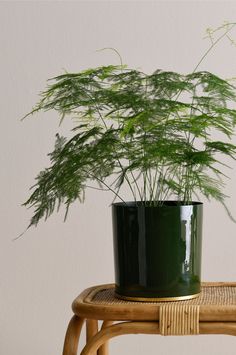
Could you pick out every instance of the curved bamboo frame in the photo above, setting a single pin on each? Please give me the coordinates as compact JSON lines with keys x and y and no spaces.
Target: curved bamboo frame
{"x":150,"y":328}
{"x":72,"y":336}
{"x":98,"y":342}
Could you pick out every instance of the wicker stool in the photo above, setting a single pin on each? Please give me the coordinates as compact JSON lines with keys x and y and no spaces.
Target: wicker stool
{"x":213,"y":312}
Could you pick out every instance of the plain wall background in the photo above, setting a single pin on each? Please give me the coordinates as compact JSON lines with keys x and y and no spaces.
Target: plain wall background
{"x":41,"y":273}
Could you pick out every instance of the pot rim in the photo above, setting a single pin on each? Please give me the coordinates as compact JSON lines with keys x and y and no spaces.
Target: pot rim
{"x":149,"y":204}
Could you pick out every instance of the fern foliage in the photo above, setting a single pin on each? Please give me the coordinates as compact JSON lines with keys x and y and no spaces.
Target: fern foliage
{"x":153,"y":132}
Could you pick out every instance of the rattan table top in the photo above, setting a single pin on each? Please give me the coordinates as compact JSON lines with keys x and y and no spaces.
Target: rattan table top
{"x":217,"y":302}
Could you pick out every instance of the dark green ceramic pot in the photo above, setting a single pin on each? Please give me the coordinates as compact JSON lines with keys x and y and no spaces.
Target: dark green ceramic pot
{"x":157,"y":250}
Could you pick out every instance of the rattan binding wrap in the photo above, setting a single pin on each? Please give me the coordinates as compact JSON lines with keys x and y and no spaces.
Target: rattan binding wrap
{"x":177,"y":319}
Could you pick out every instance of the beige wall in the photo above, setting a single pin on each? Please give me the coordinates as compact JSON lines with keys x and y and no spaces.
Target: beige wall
{"x":41,"y":273}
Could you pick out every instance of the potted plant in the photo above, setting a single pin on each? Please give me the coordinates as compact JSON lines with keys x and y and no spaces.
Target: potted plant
{"x":154,"y":133}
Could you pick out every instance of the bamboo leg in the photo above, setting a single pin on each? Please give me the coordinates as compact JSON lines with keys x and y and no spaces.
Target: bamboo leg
{"x":104,"y":350}
{"x":72,"y":336}
{"x":91,"y":330}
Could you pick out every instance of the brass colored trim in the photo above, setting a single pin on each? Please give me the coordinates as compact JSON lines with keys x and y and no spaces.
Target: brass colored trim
{"x":157,"y":299}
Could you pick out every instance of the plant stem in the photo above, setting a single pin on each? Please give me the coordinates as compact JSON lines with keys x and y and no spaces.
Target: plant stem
{"x":136,"y":184}
{"x":105,"y":125}
{"x":102,"y":182}
{"x":213,"y":45}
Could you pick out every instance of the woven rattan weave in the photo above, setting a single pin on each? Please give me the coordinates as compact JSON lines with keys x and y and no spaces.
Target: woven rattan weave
{"x":211,"y":294}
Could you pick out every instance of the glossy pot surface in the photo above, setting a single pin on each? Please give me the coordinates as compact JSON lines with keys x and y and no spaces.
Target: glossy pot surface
{"x":157,"y":250}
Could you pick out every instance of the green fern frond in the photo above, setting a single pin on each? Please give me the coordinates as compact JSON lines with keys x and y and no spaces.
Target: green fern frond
{"x":143,"y":129}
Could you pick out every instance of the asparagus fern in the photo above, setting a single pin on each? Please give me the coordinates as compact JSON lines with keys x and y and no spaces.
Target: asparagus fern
{"x":153,"y":132}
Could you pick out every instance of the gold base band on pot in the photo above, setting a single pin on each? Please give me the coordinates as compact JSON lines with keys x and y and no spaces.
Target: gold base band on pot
{"x":157,"y":299}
